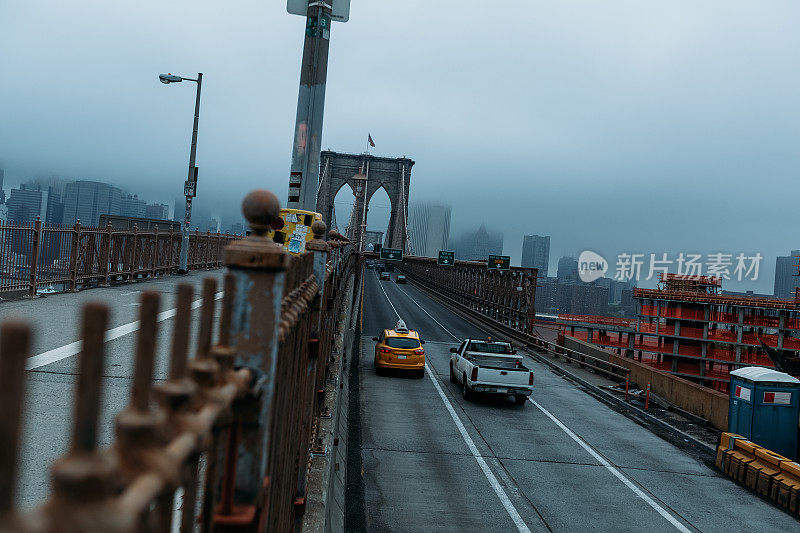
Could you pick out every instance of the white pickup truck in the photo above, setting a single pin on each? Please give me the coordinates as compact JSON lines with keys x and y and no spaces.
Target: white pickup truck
{"x":492,"y":367}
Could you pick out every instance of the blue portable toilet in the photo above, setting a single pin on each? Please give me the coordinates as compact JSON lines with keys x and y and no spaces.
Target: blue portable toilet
{"x":765,"y":407}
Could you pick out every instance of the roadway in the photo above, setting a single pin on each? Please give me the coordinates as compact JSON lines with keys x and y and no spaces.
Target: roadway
{"x":562,"y":462}
{"x":51,"y":369}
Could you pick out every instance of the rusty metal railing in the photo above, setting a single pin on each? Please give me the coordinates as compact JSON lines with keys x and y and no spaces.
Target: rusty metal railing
{"x":34,"y":254}
{"x":505,"y":296}
{"x":224,"y":443}
{"x":500,"y":300}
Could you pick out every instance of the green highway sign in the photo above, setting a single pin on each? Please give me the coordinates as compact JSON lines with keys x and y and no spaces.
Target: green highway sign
{"x":391,"y":254}
{"x":445,"y":258}
{"x":498,"y":262}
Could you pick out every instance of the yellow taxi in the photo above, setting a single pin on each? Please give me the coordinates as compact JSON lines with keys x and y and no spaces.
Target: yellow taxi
{"x":399,"y":349}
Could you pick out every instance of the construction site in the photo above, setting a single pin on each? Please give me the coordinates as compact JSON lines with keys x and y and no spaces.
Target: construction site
{"x":688,"y":327}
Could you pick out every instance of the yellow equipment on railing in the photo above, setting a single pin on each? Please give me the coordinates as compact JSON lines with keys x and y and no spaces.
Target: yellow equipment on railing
{"x":293,"y":229}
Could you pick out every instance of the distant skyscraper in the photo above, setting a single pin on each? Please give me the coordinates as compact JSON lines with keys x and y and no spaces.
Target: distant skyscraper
{"x":429,"y":228}
{"x":25,"y":204}
{"x":157,"y":211}
{"x":39,"y":198}
{"x":131,"y":206}
{"x":536,"y":253}
{"x":87,"y":200}
{"x":180,"y":209}
{"x":2,"y":191}
{"x":567,"y":269}
{"x":478,"y":245}
{"x":785,"y":280}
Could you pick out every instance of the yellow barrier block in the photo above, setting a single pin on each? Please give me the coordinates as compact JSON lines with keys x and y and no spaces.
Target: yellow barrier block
{"x":721,"y":452}
{"x":725,"y":439}
{"x":762,"y":471}
{"x":786,"y":491}
{"x":759,"y":474}
{"x":746,"y":446}
{"x":791,"y":468}
{"x":771,"y":457}
{"x":738,"y":464}
{"x":725,"y":445}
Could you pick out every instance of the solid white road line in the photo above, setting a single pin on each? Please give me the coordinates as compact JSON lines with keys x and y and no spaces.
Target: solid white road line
{"x":619,"y":475}
{"x":432,"y":317}
{"x":68,"y":350}
{"x":498,"y":489}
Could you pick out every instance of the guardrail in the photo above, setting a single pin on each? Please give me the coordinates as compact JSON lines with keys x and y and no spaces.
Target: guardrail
{"x":34,"y":254}
{"x":504,"y":296}
{"x":495,"y":306}
{"x":228,"y":434}
{"x":763,"y":471}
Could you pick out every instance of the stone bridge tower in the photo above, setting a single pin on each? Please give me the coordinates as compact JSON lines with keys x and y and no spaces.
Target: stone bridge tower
{"x":393,"y":174}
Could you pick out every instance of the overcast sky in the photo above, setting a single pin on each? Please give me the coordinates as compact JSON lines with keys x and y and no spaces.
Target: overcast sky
{"x":639,"y":126}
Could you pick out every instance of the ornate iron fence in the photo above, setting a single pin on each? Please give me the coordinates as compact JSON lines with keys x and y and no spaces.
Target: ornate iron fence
{"x":226,"y":439}
{"x":32,"y":255}
{"x":504,"y":296}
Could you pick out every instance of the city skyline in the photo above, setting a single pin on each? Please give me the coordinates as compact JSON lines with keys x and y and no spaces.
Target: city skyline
{"x":690,"y":86}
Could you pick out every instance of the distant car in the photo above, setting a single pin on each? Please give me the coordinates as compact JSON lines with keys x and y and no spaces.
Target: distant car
{"x":400,"y":279}
{"x":369,"y":265}
{"x":399,"y":349}
{"x":385,"y":276}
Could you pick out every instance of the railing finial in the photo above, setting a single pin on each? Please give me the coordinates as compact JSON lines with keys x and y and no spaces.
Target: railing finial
{"x":260,"y":207}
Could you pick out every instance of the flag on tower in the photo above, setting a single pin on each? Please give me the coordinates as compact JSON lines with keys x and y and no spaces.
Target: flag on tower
{"x":370,"y":141}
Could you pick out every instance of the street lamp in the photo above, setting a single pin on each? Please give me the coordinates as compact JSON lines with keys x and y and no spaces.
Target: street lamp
{"x":190,"y":187}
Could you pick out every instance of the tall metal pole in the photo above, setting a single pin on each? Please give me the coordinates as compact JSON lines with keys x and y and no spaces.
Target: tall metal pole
{"x":304,"y":174}
{"x":190,"y":188}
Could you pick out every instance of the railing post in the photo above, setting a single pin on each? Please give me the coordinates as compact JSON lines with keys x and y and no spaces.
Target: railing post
{"x":208,"y":250}
{"x":85,"y":480}
{"x":15,"y":340}
{"x":321,"y":249}
{"x":259,"y":267}
{"x":34,"y":265}
{"x":73,"y":256}
{"x":154,"y":255}
{"x":134,"y":262}
{"x":105,"y":257}
{"x":170,"y":254}
{"x":196,"y":250}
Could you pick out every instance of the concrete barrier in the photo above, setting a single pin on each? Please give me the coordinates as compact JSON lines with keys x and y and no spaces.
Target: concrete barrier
{"x":585,"y":347}
{"x":700,"y":401}
{"x":695,"y":399}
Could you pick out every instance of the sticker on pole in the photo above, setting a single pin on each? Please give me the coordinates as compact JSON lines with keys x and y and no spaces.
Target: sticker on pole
{"x":498,"y":262}
{"x":340,"y":11}
{"x":445,"y":258}
{"x":743,"y":393}
{"x":297,"y":244}
{"x":779,"y":398}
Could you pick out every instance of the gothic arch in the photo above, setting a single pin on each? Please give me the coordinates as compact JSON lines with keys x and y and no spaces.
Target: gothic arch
{"x":393,"y":174}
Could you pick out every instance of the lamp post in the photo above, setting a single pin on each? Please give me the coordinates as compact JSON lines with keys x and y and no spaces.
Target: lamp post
{"x":190,"y":187}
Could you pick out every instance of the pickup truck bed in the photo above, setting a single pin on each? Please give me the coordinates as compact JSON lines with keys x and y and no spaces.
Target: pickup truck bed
{"x":491,"y":373}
